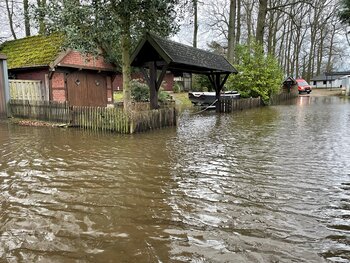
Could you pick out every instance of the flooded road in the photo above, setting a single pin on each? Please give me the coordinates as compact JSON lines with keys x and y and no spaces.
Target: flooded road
{"x":263,"y":185}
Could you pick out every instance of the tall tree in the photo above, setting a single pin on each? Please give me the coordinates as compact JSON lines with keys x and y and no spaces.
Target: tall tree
{"x":195,"y":22}
{"x":231,"y":32}
{"x":41,"y":15}
{"x":10,"y":14}
{"x":96,"y":24}
{"x":26,"y":17}
{"x":260,"y":25}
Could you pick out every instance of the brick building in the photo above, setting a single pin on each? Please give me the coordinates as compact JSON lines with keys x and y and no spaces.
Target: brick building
{"x":66,"y":74}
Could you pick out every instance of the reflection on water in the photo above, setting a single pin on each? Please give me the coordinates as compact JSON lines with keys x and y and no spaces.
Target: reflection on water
{"x":264,"y":185}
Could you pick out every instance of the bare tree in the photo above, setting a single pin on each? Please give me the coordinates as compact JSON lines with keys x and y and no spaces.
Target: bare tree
{"x":10,"y":15}
{"x":231,"y":32}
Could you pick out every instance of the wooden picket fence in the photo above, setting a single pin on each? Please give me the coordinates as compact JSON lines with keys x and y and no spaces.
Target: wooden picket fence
{"x":282,"y":97}
{"x":94,"y":118}
{"x":40,"y":110}
{"x":32,"y":90}
{"x":153,"y":119}
{"x":229,"y":105}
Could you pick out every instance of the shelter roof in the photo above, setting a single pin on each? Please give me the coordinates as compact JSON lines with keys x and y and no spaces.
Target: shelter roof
{"x":179,"y":56}
{"x":34,"y":51}
{"x":291,"y":80}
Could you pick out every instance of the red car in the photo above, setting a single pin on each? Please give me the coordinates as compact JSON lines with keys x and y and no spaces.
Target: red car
{"x":303,"y":86}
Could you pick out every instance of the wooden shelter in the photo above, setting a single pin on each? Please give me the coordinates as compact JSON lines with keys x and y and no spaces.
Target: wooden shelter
{"x":158,"y":54}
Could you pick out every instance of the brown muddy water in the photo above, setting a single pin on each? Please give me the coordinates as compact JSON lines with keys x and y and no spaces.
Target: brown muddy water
{"x":263,"y":185}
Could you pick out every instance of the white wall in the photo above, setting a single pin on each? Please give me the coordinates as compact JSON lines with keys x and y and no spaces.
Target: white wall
{"x":320,"y":84}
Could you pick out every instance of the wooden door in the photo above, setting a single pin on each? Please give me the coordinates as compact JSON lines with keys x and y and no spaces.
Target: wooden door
{"x":87,"y":89}
{"x":77,"y":89}
{"x":97,"y":90}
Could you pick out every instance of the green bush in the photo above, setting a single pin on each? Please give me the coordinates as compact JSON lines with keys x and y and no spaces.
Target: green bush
{"x":163,"y":96}
{"x":259,"y":74}
{"x":201,"y":83}
{"x":177,"y":88}
{"x":140,"y":92}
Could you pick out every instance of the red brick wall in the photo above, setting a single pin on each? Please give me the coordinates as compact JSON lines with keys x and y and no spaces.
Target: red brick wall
{"x":109,"y":90}
{"x":75,"y":58}
{"x":57,"y":87}
{"x":38,"y":74}
{"x":168,"y":82}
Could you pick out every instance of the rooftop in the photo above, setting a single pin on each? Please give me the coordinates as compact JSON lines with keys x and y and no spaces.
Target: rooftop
{"x":34,"y":51}
{"x":179,"y":56}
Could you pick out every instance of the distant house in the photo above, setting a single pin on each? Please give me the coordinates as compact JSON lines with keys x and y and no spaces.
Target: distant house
{"x":66,"y":74}
{"x":329,"y":79}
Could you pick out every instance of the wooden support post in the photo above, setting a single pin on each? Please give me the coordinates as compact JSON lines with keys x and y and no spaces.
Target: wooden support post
{"x":218,"y":84}
{"x":154,"y":82}
{"x":217,"y":91}
{"x":153,"y":86}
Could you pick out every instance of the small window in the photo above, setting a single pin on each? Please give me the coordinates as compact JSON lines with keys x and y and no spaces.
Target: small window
{"x":314,"y":83}
{"x":325,"y":82}
{"x":330,"y":82}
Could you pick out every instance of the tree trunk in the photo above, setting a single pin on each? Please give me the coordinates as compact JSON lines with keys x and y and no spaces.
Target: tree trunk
{"x":126,"y":67}
{"x":42,"y":6}
{"x":260,"y":26}
{"x":231,"y":32}
{"x":238,"y":30}
{"x":330,"y":54}
{"x":320,"y":52}
{"x":195,"y":26}
{"x":26,"y":17}
{"x":10,"y":17}
{"x":249,"y":9}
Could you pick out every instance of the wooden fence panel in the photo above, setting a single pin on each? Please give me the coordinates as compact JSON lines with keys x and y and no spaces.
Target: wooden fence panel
{"x":284,"y":96}
{"x":100,"y":118}
{"x":94,"y":118}
{"x":31,"y":90}
{"x":230,"y":105}
{"x":40,"y":110}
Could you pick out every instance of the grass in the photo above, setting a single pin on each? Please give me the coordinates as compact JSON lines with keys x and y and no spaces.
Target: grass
{"x":180,"y":98}
{"x":118,"y":96}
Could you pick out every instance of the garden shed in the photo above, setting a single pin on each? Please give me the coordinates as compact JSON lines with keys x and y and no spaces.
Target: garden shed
{"x":66,"y":75}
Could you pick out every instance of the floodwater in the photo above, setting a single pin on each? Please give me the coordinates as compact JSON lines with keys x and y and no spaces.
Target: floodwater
{"x":263,"y":185}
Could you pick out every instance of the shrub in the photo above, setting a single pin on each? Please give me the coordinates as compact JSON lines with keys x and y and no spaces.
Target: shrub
{"x":177,"y":88}
{"x":201,"y":83}
{"x":163,"y":96}
{"x":259,"y":74}
{"x":139,"y":91}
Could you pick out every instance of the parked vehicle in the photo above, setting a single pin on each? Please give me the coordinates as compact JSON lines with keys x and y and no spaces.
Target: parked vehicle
{"x":303,"y":86}
{"x":208,"y":98}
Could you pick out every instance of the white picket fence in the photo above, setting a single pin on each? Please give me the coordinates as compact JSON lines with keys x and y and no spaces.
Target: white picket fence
{"x":28,"y":90}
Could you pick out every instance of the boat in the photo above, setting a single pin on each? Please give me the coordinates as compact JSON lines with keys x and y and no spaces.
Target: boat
{"x":208,"y":98}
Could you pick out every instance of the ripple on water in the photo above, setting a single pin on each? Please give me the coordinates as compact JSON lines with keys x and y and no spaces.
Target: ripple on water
{"x":244,"y":187}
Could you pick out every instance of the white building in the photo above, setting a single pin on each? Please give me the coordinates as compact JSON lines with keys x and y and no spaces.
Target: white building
{"x":328,"y":80}
{"x":345,"y":83}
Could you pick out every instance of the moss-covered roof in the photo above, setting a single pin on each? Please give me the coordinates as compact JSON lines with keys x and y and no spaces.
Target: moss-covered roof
{"x":32,"y":51}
